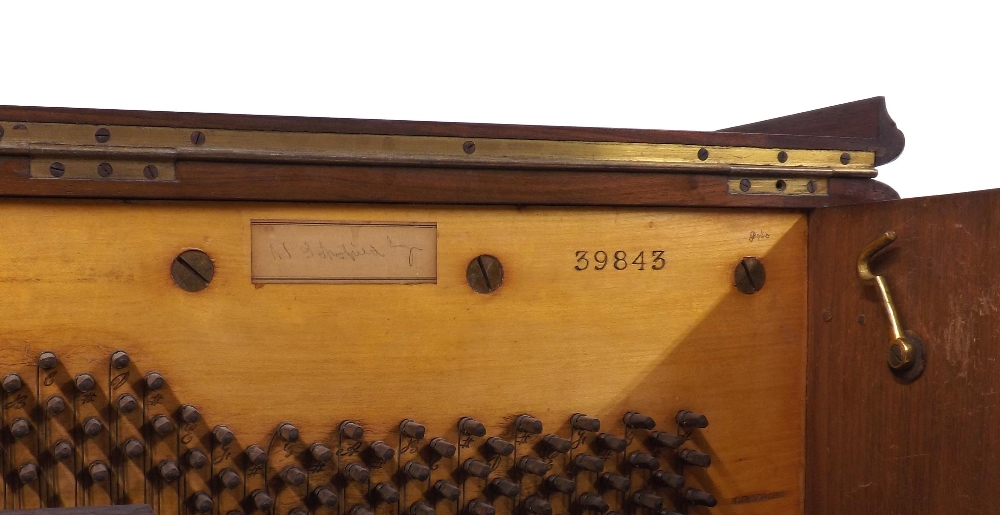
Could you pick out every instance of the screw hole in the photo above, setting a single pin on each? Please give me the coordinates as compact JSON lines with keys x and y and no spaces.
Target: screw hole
{"x":780,"y":185}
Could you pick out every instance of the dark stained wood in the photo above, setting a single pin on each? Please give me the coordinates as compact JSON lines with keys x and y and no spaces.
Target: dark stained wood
{"x":125,"y":509}
{"x":875,"y":445}
{"x":858,"y":138}
{"x":867,"y":119}
{"x":232,"y":181}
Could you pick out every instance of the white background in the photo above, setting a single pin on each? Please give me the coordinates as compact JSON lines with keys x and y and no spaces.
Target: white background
{"x":661,"y":65}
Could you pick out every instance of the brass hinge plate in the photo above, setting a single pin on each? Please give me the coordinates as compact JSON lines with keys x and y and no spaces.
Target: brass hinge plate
{"x":801,"y":186}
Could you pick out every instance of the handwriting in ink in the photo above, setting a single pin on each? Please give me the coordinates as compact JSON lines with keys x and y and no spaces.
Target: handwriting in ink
{"x":155,"y":399}
{"x":17,"y":403}
{"x":88,"y":397}
{"x":409,"y":250}
{"x":119,"y":380}
{"x":759,"y":235}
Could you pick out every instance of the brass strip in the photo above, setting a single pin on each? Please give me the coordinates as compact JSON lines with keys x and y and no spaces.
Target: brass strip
{"x":61,"y":168}
{"x":779,"y":186}
{"x":164,"y":143}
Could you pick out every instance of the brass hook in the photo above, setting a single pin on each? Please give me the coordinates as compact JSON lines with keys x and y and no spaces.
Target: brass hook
{"x":905,"y":349}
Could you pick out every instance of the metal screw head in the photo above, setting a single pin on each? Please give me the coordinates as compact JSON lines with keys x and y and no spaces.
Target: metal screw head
{"x":198,"y":138}
{"x":895,"y":355}
{"x":120,"y":359}
{"x":749,"y":275}
{"x":1,"y":131}
{"x":745,"y":185}
{"x":192,"y":270}
{"x":484,"y":274}
{"x":57,"y":169}
{"x":28,"y":473}
{"x":702,"y":154}
{"x":469,"y":147}
{"x":105,"y":170}
{"x":782,"y":156}
{"x":150,"y":171}
{"x":102,"y":135}
{"x":845,"y":158}
{"x":47,"y":360}
{"x":811,"y":186}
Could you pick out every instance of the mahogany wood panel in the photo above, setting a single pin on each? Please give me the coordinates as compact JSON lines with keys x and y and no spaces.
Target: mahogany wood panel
{"x":84,"y":278}
{"x":232,"y":181}
{"x":858,"y":137}
{"x":874,"y":444}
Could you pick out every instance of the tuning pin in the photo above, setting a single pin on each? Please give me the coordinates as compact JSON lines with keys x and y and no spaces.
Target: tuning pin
{"x":643,"y":461}
{"x":357,"y":472}
{"x":447,"y":490}
{"x":223,"y":435}
{"x":612,"y":442}
{"x":563,"y":485}
{"x":359,"y":509}
{"x":20,"y":428}
{"x":127,"y":403}
{"x":411,"y":429}
{"x":421,"y":508}
{"x":62,"y":450}
{"x":229,"y":478}
{"x":505,"y":487}
{"x":647,"y":500}
{"x":288,"y":433}
{"x":162,"y":425}
{"x":55,"y":405}
{"x":92,"y":427}
{"x":154,"y":381}
{"x":693,"y":457}
{"x":99,"y":471}
{"x":533,"y":465}
{"x":326,"y":497}
{"x":261,"y":500}
{"x":196,"y":459}
{"x":11,"y":383}
{"x":635,"y":420}
{"x":256,"y":455}
{"x":528,"y":424}
{"x":47,"y":360}
{"x":443,"y":447}
{"x":382,"y":451}
{"x":476,"y":468}
{"x":616,"y":482}
{"x":499,"y":446}
{"x":471,"y":427}
{"x":582,"y":422}
{"x":386,"y":493}
{"x":120,"y":359}
{"x":662,"y":439}
{"x":133,"y":448}
{"x":351,"y":431}
{"x":320,"y":453}
{"x":189,"y":414}
{"x":699,"y":497}
{"x":481,"y":507}
{"x":201,"y":502}
{"x":84,"y":382}
{"x":169,"y":470}
{"x":417,"y":470}
{"x":588,"y":462}
{"x":558,"y":443}
{"x":669,"y":480}
{"x":27,"y":473}
{"x":687,"y":418}
{"x":293,"y":476}
{"x":591,"y":502}
{"x":537,"y":505}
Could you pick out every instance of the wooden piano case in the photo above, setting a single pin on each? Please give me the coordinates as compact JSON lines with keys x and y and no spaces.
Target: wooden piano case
{"x":235,"y":315}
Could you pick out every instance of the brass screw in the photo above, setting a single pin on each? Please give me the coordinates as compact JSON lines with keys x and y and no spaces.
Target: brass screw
{"x":484,"y":274}
{"x":102,"y":135}
{"x":469,"y":147}
{"x":192,"y":270}
{"x":895,"y":355}
{"x":749,"y":275}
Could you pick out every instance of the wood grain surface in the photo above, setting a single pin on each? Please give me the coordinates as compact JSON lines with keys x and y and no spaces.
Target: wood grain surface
{"x":84,"y":278}
{"x":875,"y":444}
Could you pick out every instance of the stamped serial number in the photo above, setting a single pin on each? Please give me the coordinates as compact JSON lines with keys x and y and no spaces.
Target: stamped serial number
{"x":619,"y":260}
